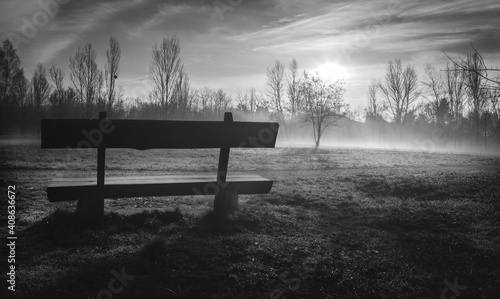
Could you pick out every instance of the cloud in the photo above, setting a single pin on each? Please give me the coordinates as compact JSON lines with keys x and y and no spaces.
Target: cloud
{"x":51,"y":50}
{"x":164,"y":12}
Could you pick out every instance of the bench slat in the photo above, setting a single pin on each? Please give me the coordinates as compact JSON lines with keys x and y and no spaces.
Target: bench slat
{"x":152,"y":134}
{"x":67,"y":189}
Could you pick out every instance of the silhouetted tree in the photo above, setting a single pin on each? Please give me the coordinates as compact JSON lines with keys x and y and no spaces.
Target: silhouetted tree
{"x":400,"y":90}
{"x":222,"y":102}
{"x":455,"y":89}
{"x":111,"y":71}
{"x":435,"y":93}
{"x":11,"y":74}
{"x":276,"y":90}
{"x":323,"y":103}
{"x":476,"y":87}
{"x":40,"y":92}
{"x":374,"y":108}
{"x":86,"y":77}
{"x":182,"y":96}
{"x":479,"y":85}
{"x":495,"y":112}
{"x":241,"y":101}
{"x":206,"y":100}
{"x":20,"y":90}
{"x":252,"y":99}
{"x":293,"y":88}
{"x":165,"y":71}
{"x":57,"y":77}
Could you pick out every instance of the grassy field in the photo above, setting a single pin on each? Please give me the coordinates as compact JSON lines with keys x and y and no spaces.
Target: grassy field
{"x":338,"y":223}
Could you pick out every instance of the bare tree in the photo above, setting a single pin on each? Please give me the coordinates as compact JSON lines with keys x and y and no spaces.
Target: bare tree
{"x":375,"y":108}
{"x":101,"y":99}
{"x":112,"y":70}
{"x":400,"y":90}
{"x":323,"y":103}
{"x":165,"y":70}
{"x":85,"y":76}
{"x":464,"y":65}
{"x":241,"y":101}
{"x":40,"y":91}
{"x":182,"y":94}
{"x":293,"y":89}
{"x":222,"y":102}
{"x":480,"y":86}
{"x":252,"y":99}
{"x":11,"y":74}
{"x":205,"y":95}
{"x":41,"y":87}
{"x":22,"y":89}
{"x":57,"y":77}
{"x":276,"y":86}
{"x":455,"y":88}
{"x":435,"y":94}
{"x":495,"y":112}
{"x":475,"y":82}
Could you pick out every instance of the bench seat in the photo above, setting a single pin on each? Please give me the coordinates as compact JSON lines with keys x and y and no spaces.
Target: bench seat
{"x":68,"y":189}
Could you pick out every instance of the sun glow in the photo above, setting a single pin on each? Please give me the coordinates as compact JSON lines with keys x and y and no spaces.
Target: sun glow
{"x":332,"y":71}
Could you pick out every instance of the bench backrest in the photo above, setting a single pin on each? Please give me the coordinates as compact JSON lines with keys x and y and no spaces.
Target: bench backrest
{"x":152,"y":134}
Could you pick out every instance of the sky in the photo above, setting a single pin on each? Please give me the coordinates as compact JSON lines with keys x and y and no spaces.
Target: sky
{"x":229,"y":44}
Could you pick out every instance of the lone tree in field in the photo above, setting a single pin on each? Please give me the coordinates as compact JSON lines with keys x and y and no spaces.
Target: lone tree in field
{"x":400,"y":90}
{"x":323,"y":103}
{"x":165,"y":71}
{"x":112,"y":70}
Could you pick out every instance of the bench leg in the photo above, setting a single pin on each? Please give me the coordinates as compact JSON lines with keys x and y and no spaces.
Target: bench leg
{"x":90,"y":208}
{"x":226,"y":202}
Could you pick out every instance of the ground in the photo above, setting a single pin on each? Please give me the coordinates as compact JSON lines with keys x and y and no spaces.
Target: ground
{"x":338,"y":223}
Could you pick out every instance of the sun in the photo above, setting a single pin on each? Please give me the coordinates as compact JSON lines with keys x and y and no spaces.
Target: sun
{"x":332,"y":71}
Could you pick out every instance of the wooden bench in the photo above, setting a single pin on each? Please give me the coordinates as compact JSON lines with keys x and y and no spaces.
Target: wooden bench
{"x":155,"y":134}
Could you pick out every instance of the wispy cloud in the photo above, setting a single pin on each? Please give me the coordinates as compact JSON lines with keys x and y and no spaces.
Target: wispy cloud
{"x":49,"y":51}
{"x":164,"y":12}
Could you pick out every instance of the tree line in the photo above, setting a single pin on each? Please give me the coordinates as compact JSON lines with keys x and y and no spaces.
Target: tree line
{"x":25,"y":102}
{"x":459,"y":103}
{"x":460,"y":100}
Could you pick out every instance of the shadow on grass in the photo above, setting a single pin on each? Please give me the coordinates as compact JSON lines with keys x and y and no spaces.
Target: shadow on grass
{"x":218,"y":225}
{"x":64,"y":258}
{"x":404,"y":188}
{"x":438,"y":245}
{"x":65,"y":227}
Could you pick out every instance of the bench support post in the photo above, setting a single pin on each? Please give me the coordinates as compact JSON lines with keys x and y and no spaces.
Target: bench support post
{"x":226,"y":201}
{"x":93,"y":208}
